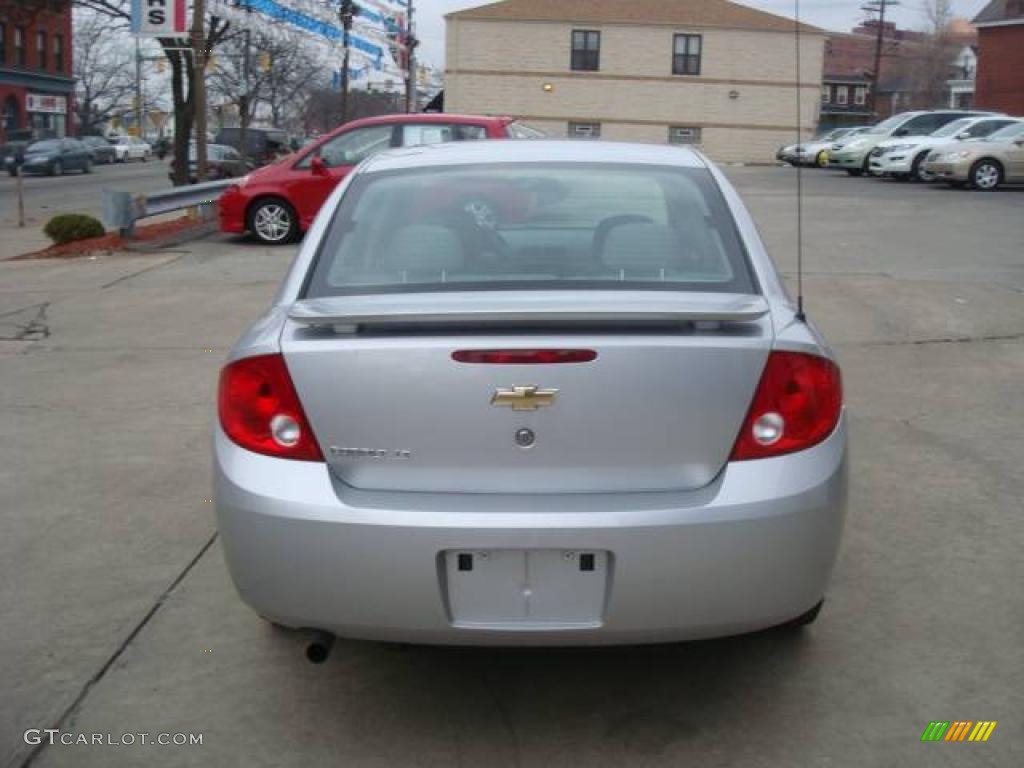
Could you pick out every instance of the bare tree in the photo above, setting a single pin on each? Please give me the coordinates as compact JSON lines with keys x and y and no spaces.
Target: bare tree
{"x":282,"y":74}
{"x":321,"y":111}
{"x":931,"y":66}
{"x":104,"y":71}
{"x":179,"y":55}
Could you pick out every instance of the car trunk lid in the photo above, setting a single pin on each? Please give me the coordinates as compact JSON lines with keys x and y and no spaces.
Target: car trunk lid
{"x":657,"y":408}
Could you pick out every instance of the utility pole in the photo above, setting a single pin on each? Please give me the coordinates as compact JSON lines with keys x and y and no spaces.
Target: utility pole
{"x":877,"y":6}
{"x":346,"y":13}
{"x":199,"y":55}
{"x":410,"y":63}
{"x":138,"y":89}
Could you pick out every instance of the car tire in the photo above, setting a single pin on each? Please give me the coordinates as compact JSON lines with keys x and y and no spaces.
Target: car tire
{"x":145,"y":157}
{"x":272,"y":221}
{"x":986,"y":175}
{"x":57,"y":169}
{"x":917,"y":172}
{"x":821,"y":159}
{"x":804,"y":619}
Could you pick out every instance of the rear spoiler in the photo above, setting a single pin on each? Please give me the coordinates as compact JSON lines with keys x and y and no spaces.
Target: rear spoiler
{"x":519,"y":307}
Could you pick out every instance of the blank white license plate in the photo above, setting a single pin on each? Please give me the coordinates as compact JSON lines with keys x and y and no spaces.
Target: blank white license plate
{"x":523,"y":589}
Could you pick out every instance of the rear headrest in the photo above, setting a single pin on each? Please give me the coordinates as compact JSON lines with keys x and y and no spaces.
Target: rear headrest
{"x":641,"y":246}
{"x":424,"y":248}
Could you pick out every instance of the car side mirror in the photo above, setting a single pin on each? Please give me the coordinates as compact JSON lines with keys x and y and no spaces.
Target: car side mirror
{"x":1019,"y":142}
{"x":963,"y":135}
{"x":317,"y":167}
{"x":900,"y":132}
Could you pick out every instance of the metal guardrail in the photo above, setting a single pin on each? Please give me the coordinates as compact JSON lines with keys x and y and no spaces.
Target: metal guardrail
{"x":123,"y":209}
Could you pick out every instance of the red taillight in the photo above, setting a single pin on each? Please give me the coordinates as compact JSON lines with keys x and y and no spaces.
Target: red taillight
{"x":260,"y":411}
{"x":796,"y":405}
{"x":524,"y":356}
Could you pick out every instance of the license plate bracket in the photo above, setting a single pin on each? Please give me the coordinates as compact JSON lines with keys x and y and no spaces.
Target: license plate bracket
{"x":526,"y":589}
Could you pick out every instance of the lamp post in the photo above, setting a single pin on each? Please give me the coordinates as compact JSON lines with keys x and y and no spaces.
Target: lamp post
{"x":347,"y":11}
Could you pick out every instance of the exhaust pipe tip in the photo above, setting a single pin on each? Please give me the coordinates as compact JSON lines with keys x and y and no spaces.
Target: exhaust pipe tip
{"x":319,"y":647}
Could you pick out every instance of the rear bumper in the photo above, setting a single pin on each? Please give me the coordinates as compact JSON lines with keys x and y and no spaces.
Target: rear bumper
{"x":231,"y":211}
{"x":751,"y":550}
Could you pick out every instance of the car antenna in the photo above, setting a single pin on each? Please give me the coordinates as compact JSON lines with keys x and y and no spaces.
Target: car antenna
{"x":799,"y":182}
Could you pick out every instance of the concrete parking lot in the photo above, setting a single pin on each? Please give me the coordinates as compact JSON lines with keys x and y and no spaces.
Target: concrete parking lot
{"x":118,"y":616}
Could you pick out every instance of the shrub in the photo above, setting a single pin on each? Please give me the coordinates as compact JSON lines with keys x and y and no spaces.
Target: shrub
{"x":68,"y":227}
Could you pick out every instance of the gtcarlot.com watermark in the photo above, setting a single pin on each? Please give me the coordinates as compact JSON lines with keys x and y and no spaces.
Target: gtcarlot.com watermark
{"x":53,"y":736}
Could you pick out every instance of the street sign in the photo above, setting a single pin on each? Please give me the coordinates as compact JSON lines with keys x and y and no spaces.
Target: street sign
{"x":159,"y":18}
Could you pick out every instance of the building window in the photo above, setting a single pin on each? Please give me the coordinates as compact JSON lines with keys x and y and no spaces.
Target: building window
{"x":842,"y":94}
{"x":58,"y":52}
{"x":584,"y":130}
{"x":826,"y":94}
{"x":19,"y":46}
{"x":40,"y":50}
{"x":586,"y":50}
{"x":3,"y":43}
{"x":686,"y":54}
{"x":860,"y":95}
{"x":681,"y":134}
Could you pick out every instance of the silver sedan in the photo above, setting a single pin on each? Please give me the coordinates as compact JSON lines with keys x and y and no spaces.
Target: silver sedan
{"x":531,"y":393}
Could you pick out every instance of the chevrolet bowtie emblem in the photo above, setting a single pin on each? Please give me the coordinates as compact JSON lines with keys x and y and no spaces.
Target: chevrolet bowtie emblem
{"x":524,"y":398}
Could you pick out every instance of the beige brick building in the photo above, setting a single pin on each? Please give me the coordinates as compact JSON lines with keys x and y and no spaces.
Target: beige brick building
{"x":708,"y":72}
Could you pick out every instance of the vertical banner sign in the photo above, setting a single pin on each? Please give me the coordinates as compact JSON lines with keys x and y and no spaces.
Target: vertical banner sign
{"x":159,"y":18}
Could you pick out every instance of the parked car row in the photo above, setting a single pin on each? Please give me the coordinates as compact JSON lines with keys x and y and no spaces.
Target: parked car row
{"x":51,"y":157}
{"x":960,"y":147}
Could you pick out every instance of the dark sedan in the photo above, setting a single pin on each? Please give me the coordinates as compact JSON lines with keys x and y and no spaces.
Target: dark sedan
{"x":54,"y":156}
{"x":102,"y":151}
{"x":222,"y":162}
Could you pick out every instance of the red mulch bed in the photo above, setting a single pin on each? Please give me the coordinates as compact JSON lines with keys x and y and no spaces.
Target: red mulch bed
{"x":112,"y":241}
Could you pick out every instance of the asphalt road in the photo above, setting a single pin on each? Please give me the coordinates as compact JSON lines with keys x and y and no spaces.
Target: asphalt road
{"x":118,"y":616}
{"x":76,"y":192}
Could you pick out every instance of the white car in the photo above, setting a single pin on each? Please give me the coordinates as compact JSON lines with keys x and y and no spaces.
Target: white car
{"x":904,"y":157}
{"x":131,"y":148}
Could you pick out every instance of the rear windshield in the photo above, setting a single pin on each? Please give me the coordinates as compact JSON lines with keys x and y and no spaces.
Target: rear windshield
{"x":520,"y":130}
{"x":530,"y":226}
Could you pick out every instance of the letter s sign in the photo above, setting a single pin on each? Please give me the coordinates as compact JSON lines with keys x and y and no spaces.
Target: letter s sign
{"x":159,"y":18}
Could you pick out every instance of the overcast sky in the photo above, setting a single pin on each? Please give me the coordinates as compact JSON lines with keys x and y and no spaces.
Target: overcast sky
{"x":839,"y":15}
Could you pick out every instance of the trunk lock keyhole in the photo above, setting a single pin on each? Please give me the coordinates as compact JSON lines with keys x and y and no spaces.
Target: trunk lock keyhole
{"x":525,"y":437}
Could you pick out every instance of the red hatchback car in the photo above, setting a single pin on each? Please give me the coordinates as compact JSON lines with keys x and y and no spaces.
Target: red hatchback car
{"x":277,"y":202}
